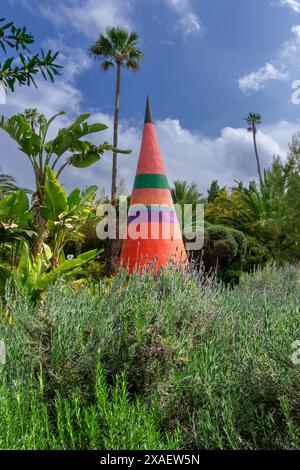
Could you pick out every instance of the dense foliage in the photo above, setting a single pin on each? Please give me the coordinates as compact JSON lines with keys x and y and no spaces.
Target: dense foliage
{"x":270,"y":215}
{"x":138,"y":363}
{"x":35,"y":252}
{"x":177,"y":360}
{"x":33,"y":233}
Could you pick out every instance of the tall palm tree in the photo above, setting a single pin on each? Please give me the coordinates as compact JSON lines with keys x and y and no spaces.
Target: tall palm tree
{"x":117,"y":48}
{"x":253,"y":120}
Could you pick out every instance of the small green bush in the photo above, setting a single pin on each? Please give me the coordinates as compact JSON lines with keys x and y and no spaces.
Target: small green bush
{"x":94,"y":271}
{"x":224,"y":252}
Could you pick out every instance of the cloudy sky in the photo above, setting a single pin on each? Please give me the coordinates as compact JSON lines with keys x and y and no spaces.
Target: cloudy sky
{"x":207,"y":64}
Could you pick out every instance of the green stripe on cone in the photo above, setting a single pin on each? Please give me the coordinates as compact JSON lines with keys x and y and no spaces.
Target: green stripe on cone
{"x":151,"y":181}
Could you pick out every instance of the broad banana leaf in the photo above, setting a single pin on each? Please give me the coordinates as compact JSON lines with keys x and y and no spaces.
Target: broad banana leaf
{"x":34,"y":274}
{"x":55,"y":201}
{"x":74,"y":198}
{"x":19,"y":129}
{"x":79,"y":201}
{"x":68,"y":136}
{"x":15,"y":207}
{"x":83,"y":160}
{"x":67,"y":267}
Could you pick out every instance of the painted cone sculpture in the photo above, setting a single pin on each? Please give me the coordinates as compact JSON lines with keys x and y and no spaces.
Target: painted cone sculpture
{"x":153,"y":232}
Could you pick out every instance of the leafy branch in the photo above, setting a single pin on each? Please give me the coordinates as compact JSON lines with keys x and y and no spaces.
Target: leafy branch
{"x":22,"y":69}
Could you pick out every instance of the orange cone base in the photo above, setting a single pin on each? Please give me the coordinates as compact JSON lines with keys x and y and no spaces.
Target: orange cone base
{"x":136,"y":256}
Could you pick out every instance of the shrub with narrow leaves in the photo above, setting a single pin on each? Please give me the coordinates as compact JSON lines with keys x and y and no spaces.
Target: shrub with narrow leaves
{"x":172,"y":361}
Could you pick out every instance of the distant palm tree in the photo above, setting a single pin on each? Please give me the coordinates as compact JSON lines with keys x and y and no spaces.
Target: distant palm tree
{"x":184,"y":193}
{"x":117,"y":47}
{"x":253,"y":120}
{"x":7,"y":184}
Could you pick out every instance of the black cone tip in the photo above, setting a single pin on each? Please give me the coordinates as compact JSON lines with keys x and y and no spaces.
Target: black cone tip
{"x":148,"y":115}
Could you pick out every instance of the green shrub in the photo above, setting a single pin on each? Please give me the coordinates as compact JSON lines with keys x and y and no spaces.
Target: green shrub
{"x":111,"y":421}
{"x":229,"y":252}
{"x":95,"y":271}
{"x":224,"y":252}
{"x":256,"y":254}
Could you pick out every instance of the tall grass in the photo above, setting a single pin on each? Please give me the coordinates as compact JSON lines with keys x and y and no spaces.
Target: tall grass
{"x":177,"y":361}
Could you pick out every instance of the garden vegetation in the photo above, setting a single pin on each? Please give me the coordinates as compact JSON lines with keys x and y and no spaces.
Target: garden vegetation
{"x":200,"y":359}
{"x":176,"y":362}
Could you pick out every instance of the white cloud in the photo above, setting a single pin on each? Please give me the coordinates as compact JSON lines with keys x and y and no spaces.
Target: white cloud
{"x":284,"y":65}
{"x":188,"y":155}
{"x":89,"y":17}
{"x":49,"y":98}
{"x":74,"y":59}
{"x":256,"y":80}
{"x":282,"y":132}
{"x":201,"y":159}
{"x":189,"y":23}
{"x":293,"y":4}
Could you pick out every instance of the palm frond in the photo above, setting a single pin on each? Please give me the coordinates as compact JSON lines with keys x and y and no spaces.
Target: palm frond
{"x":118,"y":37}
{"x":7,"y":184}
{"x":132,"y":38}
{"x":183,"y":193}
{"x":117,"y":45}
{"x":102,"y":48}
{"x":106,"y":65}
{"x":132,"y":65}
{"x":136,"y":54}
{"x":253,"y":118}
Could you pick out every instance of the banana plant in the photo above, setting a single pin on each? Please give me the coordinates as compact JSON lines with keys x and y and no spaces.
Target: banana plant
{"x":63,"y":218}
{"x":15,"y":207}
{"x":66,"y":149}
{"x":16,"y":223}
{"x":35,"y":275}
{"x":65,"y":215}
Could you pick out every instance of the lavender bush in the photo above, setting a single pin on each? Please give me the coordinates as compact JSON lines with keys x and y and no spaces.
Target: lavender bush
{"x":175,"y":361}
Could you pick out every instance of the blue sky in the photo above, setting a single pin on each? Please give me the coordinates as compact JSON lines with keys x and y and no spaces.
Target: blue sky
{"x":207,"y":64}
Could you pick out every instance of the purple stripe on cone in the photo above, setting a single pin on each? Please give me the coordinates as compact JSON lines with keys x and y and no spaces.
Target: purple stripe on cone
{"x":153,"y":216}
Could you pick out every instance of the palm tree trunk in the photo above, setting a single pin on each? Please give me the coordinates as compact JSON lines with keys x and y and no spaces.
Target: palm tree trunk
{"x":115,"y":140}
{"x":113,"y":245}
{"x":256,"y":155}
